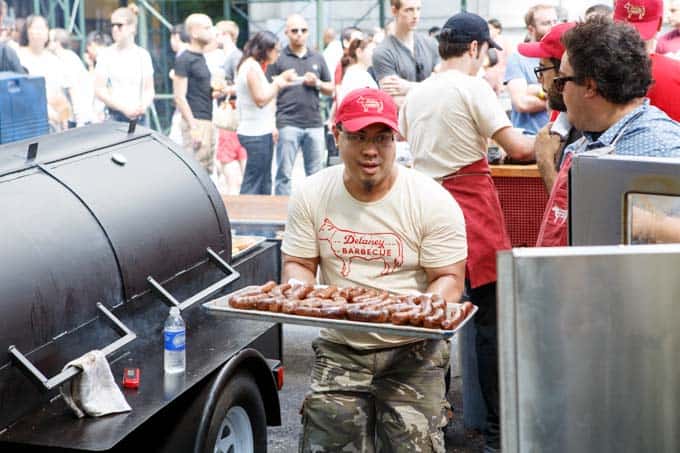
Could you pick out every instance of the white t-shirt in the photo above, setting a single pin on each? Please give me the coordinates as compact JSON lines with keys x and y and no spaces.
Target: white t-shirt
{"x":386,"y":244}
{"x":46,"y":65}
{"x":253,"y":120}
{"x":447,"y":120}
{"x":82,"y":86}
{"x":125,"y":71}
{"x":355,"y":77}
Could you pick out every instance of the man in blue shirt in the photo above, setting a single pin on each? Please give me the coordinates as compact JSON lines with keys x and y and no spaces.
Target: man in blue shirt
{"x":529,"y":107}
{"x":605,"y":98}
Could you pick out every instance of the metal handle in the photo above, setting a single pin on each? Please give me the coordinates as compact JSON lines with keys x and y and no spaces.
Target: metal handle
{"x":217,"y":259}
{"x":72,"y":371}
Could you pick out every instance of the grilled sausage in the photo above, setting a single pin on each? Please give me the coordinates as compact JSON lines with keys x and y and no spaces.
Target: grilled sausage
{"x":279,"y":290}
{"x":363,"y":315}
{"x":268,"y":286}
{"x":246,"y":302}
{"x":435,"y":320}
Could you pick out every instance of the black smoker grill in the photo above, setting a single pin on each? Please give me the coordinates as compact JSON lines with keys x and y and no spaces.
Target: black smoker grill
{"x":103,"y":229}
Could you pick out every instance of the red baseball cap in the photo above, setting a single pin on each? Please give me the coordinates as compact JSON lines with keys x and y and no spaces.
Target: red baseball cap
{"x":641,"y":14}
{"x":550,"y":46}
{"x":366,"y":106}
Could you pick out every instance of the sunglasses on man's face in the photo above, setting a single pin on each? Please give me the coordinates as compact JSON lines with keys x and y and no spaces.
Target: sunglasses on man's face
{"x":560,"y":82}
{"x":295,"y":31}
{"x":117,"y":24}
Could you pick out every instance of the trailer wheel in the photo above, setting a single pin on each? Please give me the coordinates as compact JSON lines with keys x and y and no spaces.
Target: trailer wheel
{"x":238,"y":424}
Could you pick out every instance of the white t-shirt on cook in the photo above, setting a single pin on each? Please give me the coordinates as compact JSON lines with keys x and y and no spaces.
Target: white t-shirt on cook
{"x":386,"y":244}
{"x":447,"y":120}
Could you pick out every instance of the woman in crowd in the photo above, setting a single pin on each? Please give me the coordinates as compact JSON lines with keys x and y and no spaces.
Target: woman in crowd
{"x":124,"y":73}
{"x":38,"y":61}
{"x":356,"y":61}
{"x":256,"y":103}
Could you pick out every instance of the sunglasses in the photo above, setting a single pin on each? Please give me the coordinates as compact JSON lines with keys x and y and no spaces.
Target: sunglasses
{"x":117,"y":24}
{"x":295,"y":31}
{"x":560,"y":82}
{"x":538,"y":71}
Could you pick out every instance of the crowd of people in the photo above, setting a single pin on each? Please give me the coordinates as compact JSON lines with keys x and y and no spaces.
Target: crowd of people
{"x":607,"y":83}
{"x":243,"y":123}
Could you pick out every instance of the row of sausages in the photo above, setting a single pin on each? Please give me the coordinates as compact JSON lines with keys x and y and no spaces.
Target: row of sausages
{"x":353,"y":303}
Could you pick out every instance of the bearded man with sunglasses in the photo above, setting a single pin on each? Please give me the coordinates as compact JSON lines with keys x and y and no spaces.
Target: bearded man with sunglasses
{"x":606,"y":100}
{"x":555,"y":136}
{"x":373,"y":223}
{"x":298,"y":113}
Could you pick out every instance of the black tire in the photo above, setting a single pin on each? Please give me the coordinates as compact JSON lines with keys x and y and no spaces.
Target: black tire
{"x":242,"y":391}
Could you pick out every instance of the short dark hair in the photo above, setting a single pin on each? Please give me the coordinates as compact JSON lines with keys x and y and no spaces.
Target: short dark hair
{"x":495,"y":23}
{"x":449,"y":47}
{"x":613,"y":55}
{"x":395,"y":3}
{"x":600,"y":8}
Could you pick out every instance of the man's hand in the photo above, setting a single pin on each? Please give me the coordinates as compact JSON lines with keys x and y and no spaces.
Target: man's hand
{"x":195,"y":136}
{"x":546,"y":147}
{"x":395,"y":85}
{"x":310,"y":79}
{"x":275,"y":135}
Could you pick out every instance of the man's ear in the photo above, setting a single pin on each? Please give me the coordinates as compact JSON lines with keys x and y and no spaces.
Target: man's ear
{"x":591,"y":88}
{"x":473,"y":49}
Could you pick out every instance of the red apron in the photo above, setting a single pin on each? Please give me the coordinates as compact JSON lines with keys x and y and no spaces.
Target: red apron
{"x":554,"y":231}
{"x":475,"y":192}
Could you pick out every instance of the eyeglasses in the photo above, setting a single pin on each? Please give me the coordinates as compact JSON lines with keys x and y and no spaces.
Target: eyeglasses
{"x":381,"y":141}
{"x":117,"y":24}
{"x":538,"y":71}
{"x":295,"y":31}
{"x":560,"y":82}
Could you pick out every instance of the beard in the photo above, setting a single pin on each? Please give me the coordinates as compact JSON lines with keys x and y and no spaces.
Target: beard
{"x":555,"y":100}
{"x":368,"y":185}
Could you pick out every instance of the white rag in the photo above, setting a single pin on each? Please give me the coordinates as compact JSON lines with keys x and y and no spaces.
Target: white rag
{"x":93,"y":392}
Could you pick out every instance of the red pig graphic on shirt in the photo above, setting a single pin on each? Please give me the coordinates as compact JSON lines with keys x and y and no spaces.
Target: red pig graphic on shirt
{"x":348,"y":245}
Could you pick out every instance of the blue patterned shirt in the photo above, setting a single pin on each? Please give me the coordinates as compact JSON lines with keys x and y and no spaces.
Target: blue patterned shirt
{"x":648,"y":132}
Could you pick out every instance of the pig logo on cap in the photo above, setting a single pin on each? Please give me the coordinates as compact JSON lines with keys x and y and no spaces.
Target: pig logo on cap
{"x":370,"y":104}
{"x":633,"y":10}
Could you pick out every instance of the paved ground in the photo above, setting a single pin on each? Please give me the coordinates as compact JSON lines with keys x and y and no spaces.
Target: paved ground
{"x":298,"y":361}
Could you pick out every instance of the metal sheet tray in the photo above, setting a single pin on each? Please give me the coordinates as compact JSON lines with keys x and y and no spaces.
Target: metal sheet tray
{"x":221,"y":304}
{"x":257,"y":240}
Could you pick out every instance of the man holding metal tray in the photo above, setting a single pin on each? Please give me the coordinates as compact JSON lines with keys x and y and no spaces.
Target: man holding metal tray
{"x":375,"y":224}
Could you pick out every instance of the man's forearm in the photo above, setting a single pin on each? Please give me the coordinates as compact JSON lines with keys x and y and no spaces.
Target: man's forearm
{"x":327,"y":88}
{"x":548,"y":173}
{"x":184,"y":109}
{"x":297,"y":271}
{"x":449,"y":287}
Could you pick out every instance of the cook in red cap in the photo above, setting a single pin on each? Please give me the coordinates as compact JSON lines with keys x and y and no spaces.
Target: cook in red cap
{"x":366,"y":106}
{"x":550,"y":46}
{"x":645,"y":15}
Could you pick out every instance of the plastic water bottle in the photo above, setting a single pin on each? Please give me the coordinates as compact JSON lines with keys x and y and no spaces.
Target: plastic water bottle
{"x":174,"y":336}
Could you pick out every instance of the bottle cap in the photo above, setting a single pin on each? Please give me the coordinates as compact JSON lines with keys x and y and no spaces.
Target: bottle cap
{"x":174,"y":311}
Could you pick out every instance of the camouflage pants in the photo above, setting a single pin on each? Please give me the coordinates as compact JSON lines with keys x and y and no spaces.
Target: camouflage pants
{"x":390,"y":400}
